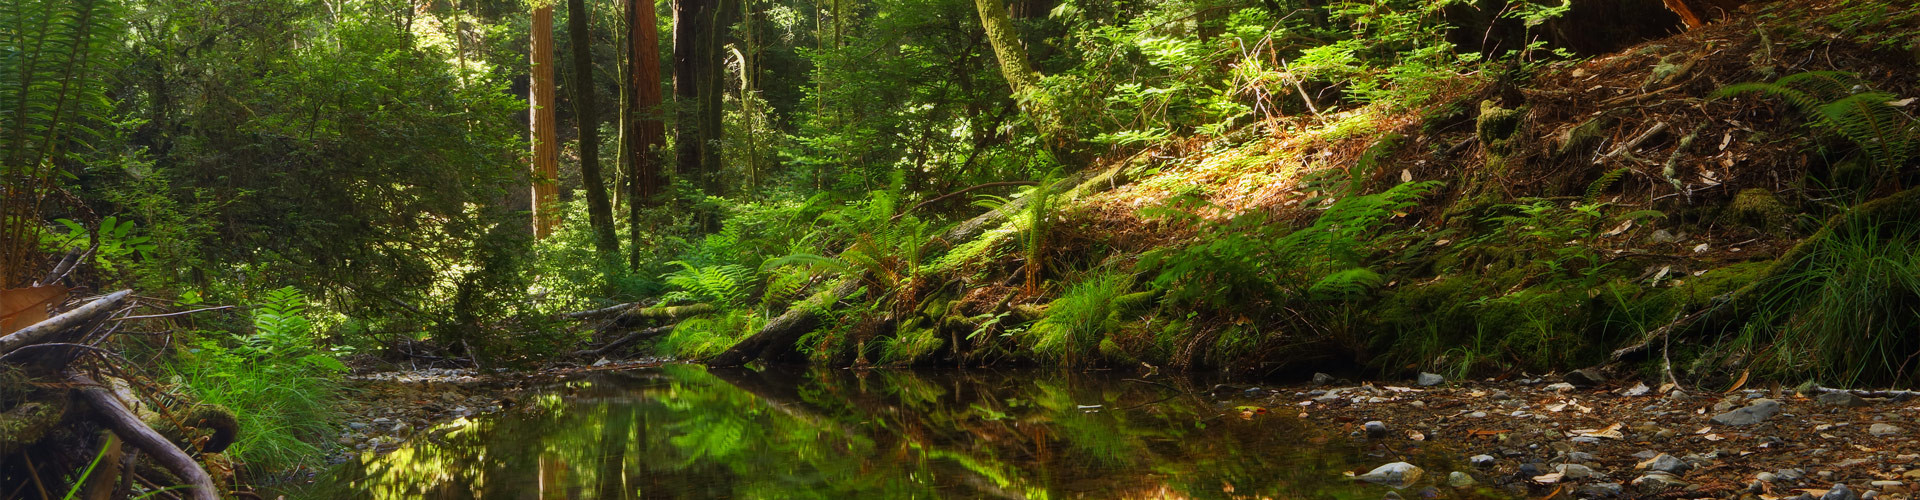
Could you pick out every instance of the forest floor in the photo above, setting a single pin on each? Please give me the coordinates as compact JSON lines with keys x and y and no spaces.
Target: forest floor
{"x":1601,"y":439}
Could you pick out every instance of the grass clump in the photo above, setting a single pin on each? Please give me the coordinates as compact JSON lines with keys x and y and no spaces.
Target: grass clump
{"x":276,"y":379}
{"x":1847,"y":314}
{"x":1075,"y":323}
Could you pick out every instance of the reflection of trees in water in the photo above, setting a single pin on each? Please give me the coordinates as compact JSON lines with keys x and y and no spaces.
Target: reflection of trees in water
{"x":682,"y":432}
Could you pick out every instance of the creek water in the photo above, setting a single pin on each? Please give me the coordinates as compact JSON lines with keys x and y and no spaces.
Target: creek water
{"x":682,"y":431}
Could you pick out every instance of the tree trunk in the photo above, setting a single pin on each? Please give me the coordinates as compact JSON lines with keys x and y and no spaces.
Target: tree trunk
{"x":647,"y":134}
{"x":698,"y":86}
{"x":1021,"y":77}
{"x":599,"y":212}
{"x":545,"y":174}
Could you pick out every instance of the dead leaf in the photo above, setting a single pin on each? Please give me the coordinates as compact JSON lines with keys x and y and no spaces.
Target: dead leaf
{"x":1713,"y":437}
{"x":1416,"y":436}
{"x":1623,"y":227}
{"x":1611,"y":432}
{"x":22,"y":307}
{"x":1737,"y":384}
{"x":1548,"y":478}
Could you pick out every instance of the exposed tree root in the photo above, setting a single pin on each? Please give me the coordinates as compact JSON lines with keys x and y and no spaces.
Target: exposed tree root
{"x":128,"y":426}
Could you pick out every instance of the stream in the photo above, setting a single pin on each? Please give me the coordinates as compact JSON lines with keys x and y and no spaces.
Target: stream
{"x":682,"y":431}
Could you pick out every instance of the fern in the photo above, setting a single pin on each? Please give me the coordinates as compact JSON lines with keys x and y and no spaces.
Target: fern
{"x":726,"y":285}
{"x":1838,"y":102}
{"x":1603,"y":183}
{"x":1346,"y":284}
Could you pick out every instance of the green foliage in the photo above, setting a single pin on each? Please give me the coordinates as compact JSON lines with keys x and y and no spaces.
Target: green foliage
{"x":726,"y":285}
{"x":1605,"y":181}
{"x":1847,"y":314}
{"x":705,"y":336}
{"x":1838,"y":102}
{"x":1075,"y":323}
{"x":277,"y":379}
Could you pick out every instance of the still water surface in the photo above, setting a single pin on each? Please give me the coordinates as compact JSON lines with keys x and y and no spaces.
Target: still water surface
{"x":682,"y":431}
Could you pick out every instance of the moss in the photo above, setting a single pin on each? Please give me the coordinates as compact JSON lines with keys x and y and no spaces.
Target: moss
{"x":25,"y":423}
{"x":1582,"y":136}
{"x":1759,"y":209}
{"x":1496,"y":128}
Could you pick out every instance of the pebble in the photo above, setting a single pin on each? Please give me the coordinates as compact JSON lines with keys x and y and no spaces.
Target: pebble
{"x":1601,"y":490}
{"x":1585,"y":377}
{"x":1560,"y":387}
{"x":1459,"y":479}
{"x":357,"y":426}
{"x":1478,"y":414}
{"x":1430,"y":379}
{"x":1655,"y":482}
{"x":1481,"y":460}
{"x":1391,"y":496}
{"x":1665,"y":463}
{"x":1375,"y":429}
{"x":1397,"y":474}
{"x":1760,"y":410}
{"x":1883,"y":430}
{"x":1840,"y":492}
{"x":1323,"y":379}
{"x":1575,"y":471}
{"x":1886,"y":484}
{"x":1842,"y":399}
{"x":1790,"y":474}
{"x":1639,"y":389}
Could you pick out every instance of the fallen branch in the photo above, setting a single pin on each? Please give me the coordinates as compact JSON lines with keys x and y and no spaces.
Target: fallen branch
{"x":125,"y":424}
{"x":944,"y":197}
{"x":45,"y":331}
{"x":631,"y":310}
{"x":637,"y":335}
{"x":172,"y":314}
{"x":1643,"y":137}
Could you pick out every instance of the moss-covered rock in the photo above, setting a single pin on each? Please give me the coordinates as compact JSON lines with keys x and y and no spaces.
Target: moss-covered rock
{"x":1582,"y":136}
{"x":23,"y":424}
{"x":1496,"y":128}
{"x":1761,"y":210}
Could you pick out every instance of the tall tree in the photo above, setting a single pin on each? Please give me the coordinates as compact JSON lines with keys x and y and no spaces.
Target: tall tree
{"x":645,"y":133}
{"x":599,"y":211}
{"x":699,"y":87}
{"x":546,"y":159}
{"x":1020,"y":75}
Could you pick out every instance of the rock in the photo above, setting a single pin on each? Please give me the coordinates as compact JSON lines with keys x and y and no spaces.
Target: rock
{"x":1639,"y":389}
{"x":401,"y":428}
{"x":1391,"y":496}
{"x":1760,"y":410}
{"x":602,"y":362}
{"x":1323,"y":379}
{"x":1664,"y":463}
{"x":1585,"y":377}
{"x":1481,"y":460}
{"x":1601,"y":490}
{"x":1430,"y":379}
{"x":1883,"y":485}
{"x":1766,"y":477}
{"x":382,"y":421}
{"x":1839,"y":492}
{"x":356,"y":426}
{"x":1655,"y":482}
{"x":1397,"y":474}
{"x":1884,"y":430}
{"x":1375,"y":429}
{"x":1560,"y":387}
{"x":1842,"y":399}
{"x":1459,"y":479}
{"x":1478,"y":414}
{"x":1790,"y":474}
{"x":1662,"y":236}
{"x":1575,"y":471}
{"x":1870,"y":495}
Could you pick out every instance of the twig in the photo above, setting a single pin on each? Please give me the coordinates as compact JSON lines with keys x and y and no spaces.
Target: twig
{"x":631,"y":337}
{"x":167,"y":315}
{"x":1643,"y":137}
{"x":130,"y":429}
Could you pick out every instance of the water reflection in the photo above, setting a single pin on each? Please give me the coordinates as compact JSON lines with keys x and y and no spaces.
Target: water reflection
{"x":680,"y":431}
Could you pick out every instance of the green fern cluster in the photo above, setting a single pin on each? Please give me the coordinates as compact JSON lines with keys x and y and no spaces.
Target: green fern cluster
{"x":724,"y":285}
{"x":1840,"y":102}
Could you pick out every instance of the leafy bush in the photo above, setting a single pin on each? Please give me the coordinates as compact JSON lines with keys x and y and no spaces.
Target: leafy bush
{"x":1838,"y":103}
{"x":276,"y":379}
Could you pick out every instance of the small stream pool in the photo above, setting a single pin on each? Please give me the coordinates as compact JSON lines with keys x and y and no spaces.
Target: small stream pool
{"x":686,"y":432}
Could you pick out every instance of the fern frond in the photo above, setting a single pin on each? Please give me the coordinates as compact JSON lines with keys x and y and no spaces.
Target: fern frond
{"x":1865,"y":118}
{"x":1346,"y":284}
{"x":1605,"y":181}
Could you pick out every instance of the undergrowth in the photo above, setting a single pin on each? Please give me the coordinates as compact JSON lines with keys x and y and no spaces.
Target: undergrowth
{"x":276,"y":378}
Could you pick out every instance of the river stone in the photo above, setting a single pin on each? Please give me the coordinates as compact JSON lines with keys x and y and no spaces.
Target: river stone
{"x":1560,"y":387}
{"x":1870,"y":495}
{"x":1481,"y":460}
{"x":1601,"y":490}
{"x":1391,"y":496}
{"x":1655,"y":482}
{"x":1459,"y":479}
{"x":1884,"y":430}
{"x":1431,"y":379}
{"x":1585,"y":377}
{"x":1397,"y":474}
{"x":1665,"y":463}
{"x":1790,"y":474}
{"x":357,"y":426}
{"x":1843,"y":399}
{"x":1574,"y":471}
{"x":1639,"y":389}
{"x":1760,"y":410}
{"x":1375,"y":429}
{"x":1322,"y":379}
{"x":1840,"y":492}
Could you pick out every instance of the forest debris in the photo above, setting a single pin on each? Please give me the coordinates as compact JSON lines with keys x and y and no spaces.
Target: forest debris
{"x":44,"y":331}
{"x":1629,"y":145}
{"x":129,"y":427}
{"x":628,"y":339}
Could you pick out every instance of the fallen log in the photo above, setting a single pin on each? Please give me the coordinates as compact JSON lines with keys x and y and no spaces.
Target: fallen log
{"x":628,"y":339}
{"x":779,"y":335}
{"x":125,"y":424}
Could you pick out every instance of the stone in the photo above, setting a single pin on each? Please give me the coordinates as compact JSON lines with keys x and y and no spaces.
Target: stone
{"x":1664,"y":463}
{"x":1560,"y":387}
{"x":1430,"y":379}
{"x":1790,"y":474}
{"x":1478,"y":414}
{"x":357,"y":426}
{"x":1391,"y":496}
{"x":1842,"y":399}
{"x":1375,"y":429}
{"x":1575,"y":471}
{"x":1839,"y":491}
{"x":1884,"y":485}
{"x":1459,"y":479}
{"x":1870,"y":495}
{"x":1656,"y":482}
{"x":1759,"y":411}
{"x":1639,"y":389}
{"x":1481,"y":460}
{"x":1766,"y":477}
{"x":1397,"y":474}
{"x":1601,"y":490}
{"x":1884,"y":430}
{"x":1323,"y":379}
{"x":1662,"y":236}
{"x":1585,"y":377}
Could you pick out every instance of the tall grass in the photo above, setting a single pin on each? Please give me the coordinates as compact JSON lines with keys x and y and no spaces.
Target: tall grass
{"x":1076,"y":322}
{"x":276,"y":379}
{"x":1848,"y":313}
